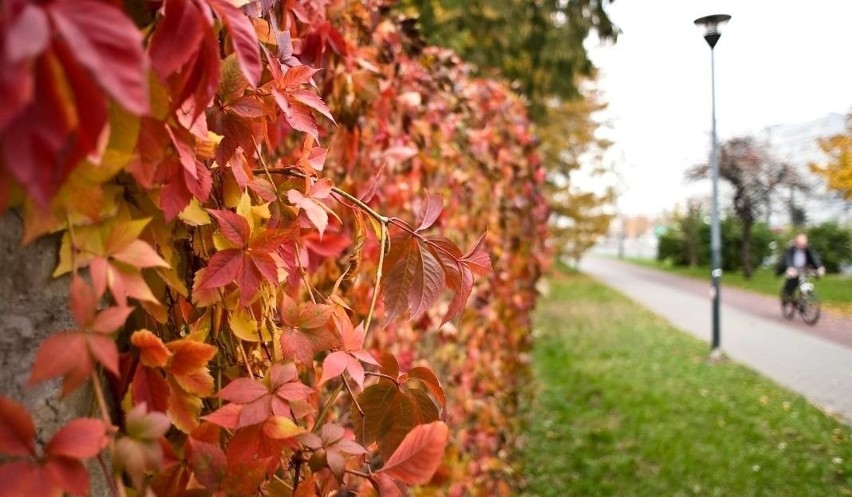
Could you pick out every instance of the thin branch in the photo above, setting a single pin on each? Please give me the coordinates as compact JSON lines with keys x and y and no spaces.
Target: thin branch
{"x":327,"y":408}
{"x":383,"y":243}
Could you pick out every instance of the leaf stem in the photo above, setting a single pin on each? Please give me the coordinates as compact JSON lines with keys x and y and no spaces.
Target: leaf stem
{"x":382,"y":375}
{"x":352,"y":394}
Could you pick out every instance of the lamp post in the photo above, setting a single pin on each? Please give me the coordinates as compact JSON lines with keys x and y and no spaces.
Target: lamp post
{"x":711,"y":35}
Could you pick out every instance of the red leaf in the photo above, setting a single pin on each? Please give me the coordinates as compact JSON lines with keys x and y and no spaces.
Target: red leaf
{"x":415,"y":278}
{"x":177,"y":37}
{"x":312,"y":100}
{"x":298,"y":75}
{"x":111,"y":319}
{"x":68,"y":474}
{"x":16,"y":429}
{"x":419,"y":455}
{"x":227,"y":416}
{"x":243,"y":38}
{"x":478,"y":259}
{"x":223,"y":268}
{"x":248,"y":280}
{"x":233,"y":226}
{"x":334,"y":365}
{"x":63,"y":354}
{"x":152,"y":351}
{"x":431,"y":210}
{"x":388,"y":487}
{"x":243,"y":391}
{"x":296,"y":114}
{"x":109,"y":45}
{"x":27,"y":478}
{"x":57,"y":128}
{"x":27,"y":34}
{"x":430,"y":380}
{"x":79,"y":439}
{"x":104,"y":351}
{"x":150,"y":388}
{"x":83,"y":301}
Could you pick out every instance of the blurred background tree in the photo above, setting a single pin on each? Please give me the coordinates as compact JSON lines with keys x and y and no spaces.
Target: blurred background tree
{"x":837,"y":172}
{"x":571,"y":145}
{"x":754,"y":175}
{"x":833,"y":243}
{"x":538,"y":46}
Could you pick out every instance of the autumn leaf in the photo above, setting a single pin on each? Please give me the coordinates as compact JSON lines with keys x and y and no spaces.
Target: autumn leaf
{"x":414,"y":276}
{"x":243,"y":38}
{"x":140,"y":451}
{"x":419,"y":455}
{"x":16,"y":429}
{"x":349,"y":359}
{"x":106,"y":42}
{"x":152,"y":351}
{"x":312,"y":203}
{"x":431,"y":210}
{"x":59,"y":469}
{"x":73,"y":355}
{"x":333,"y":441}
{"x":306,"y":332}
{"x":258,"y":401}
{"x":246,"y":266}
{"x":189,"y":380}
{"x":390,"y":412}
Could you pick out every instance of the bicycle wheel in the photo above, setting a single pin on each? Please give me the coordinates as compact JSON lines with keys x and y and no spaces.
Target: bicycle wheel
{"x":788,"y":307}
{"x":809,"y":308}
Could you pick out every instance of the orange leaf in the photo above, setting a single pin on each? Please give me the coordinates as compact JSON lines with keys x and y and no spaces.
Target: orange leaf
{"x":190,"y":356}
{"x":419,"y":455}
{"x":152,"y":351}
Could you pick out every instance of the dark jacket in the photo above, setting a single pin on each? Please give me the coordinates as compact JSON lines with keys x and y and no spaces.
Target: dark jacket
{"x":811,"y":259}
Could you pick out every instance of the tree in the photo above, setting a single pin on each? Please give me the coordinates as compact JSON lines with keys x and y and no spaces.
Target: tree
{"x":833,"y":243}
{"x":570,"y":143}
{"x":538,"y":46}
{"x":837,"y":171}
{"x":754,"y":175}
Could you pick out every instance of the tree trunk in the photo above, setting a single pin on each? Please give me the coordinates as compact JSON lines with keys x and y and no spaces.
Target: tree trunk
{"x":746,"y":248}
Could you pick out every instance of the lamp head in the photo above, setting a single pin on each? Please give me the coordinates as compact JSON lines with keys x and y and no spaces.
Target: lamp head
{"x":711,"y":26}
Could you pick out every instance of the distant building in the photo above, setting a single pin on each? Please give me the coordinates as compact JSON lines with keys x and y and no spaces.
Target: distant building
{"x":798,"y":145}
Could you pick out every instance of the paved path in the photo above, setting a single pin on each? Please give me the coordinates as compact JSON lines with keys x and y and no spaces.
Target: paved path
{"x":813,"y":361}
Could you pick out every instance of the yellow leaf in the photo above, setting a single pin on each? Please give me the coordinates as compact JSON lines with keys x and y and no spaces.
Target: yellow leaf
{"x":194,"y":214}
{"x":172,"y":280}
{"x":245,"y":327}
{"x":281,"y":428}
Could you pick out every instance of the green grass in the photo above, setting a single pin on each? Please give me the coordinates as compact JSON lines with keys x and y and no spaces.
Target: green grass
{"x":834,"y":290}
{"x":625,"y":405}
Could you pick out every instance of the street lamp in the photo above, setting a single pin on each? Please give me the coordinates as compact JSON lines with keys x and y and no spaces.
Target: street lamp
{"x":711,"y":35}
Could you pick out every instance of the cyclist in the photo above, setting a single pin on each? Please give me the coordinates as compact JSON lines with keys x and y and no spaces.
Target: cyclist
{"x":797,"y":258}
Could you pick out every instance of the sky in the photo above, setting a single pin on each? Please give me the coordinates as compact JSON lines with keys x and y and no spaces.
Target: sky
{"x":778,"y":61}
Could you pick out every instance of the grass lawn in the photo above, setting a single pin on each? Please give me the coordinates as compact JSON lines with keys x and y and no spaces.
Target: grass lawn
{"x":835,"y":291}
{"x":625,"y":405}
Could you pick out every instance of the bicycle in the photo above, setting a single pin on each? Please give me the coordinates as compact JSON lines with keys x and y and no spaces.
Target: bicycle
{"x":804,"y":300}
